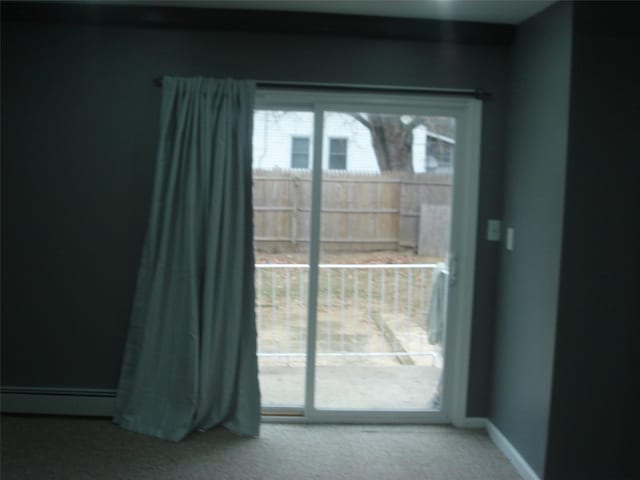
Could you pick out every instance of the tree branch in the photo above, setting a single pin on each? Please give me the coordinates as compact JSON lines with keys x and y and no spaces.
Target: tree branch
{"x":415,"y":122}
{"x":360,"y":118}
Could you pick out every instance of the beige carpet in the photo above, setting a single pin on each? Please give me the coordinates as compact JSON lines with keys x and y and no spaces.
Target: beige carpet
{"x":40,"y":447}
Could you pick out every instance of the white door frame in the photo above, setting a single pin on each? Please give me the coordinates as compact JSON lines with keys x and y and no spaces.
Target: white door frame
{"x":468,"y":115}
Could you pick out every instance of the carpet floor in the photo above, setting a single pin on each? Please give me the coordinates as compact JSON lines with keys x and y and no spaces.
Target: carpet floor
{"x":47,"y":447}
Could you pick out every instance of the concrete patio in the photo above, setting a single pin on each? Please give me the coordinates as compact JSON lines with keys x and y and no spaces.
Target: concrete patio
{"x":349,"y":386}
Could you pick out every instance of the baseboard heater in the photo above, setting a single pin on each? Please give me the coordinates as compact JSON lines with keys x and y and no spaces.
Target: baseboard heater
{"x":58,"y":401}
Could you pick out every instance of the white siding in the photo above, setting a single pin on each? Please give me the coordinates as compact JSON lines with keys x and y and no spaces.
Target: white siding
{"x":273,"y":132}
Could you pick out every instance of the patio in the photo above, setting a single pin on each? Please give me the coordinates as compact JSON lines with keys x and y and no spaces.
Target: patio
{"x":362,"y":387}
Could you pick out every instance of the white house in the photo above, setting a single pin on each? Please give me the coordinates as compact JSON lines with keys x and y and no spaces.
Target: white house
{"x":284,"y":140}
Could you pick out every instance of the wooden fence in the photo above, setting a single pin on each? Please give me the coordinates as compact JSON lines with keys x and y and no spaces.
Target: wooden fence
{"x":360,"y":211}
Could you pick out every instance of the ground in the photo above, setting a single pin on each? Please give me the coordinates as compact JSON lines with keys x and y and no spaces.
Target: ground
{"x":364,"y":258}
{"x":372,"y":343}
{"x":361,"y":309}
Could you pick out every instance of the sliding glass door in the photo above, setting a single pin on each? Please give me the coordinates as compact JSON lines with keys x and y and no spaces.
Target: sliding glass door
{"x":357,"y":215}
{"x":384,"y":239}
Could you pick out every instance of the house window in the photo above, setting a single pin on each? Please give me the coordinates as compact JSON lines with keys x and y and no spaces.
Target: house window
{"x":337,"y":154}
{"x":300,"y":152}
{"x":439,"y":153}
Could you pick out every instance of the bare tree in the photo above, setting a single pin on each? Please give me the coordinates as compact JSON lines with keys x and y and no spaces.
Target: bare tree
{"x":392,"y":139}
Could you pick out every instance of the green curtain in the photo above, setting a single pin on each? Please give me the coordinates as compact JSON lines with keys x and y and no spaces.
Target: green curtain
{"x":190,"y":358}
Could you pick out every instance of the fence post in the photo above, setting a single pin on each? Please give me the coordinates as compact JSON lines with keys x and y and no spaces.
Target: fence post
{"x":399,"y":219}
{"x":294,"y":209}
{"x":407,"y":236}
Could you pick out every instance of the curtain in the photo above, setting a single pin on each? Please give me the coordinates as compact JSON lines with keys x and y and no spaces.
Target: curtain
{"x":190,"y":357}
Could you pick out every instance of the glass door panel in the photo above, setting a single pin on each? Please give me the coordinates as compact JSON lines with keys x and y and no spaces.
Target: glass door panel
{"x":382,"y":280}
{"x":282,"y":169}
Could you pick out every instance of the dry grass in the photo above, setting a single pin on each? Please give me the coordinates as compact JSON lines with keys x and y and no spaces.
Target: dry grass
{"x":357,"y":258}
{"x":338,"y":287}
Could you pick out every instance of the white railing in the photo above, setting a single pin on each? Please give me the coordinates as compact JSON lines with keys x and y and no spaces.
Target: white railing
{"x":364,"y":310}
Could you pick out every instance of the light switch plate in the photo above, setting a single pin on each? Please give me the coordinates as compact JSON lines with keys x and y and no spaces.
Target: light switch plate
{"x":493,"y":230}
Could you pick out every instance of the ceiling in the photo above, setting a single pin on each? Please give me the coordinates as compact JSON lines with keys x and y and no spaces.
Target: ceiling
{"x":488,"y":11}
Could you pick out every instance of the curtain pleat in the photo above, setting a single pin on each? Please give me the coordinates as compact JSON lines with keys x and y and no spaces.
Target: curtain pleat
{"x":190,"y":358}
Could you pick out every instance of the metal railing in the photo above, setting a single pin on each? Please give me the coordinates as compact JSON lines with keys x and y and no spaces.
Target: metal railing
{"x":378,"y":311}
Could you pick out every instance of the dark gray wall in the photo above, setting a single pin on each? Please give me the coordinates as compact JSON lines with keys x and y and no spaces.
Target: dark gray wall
{"x":593,"y":423}
{"x":79,"y":126}
{"x":534,"y":191}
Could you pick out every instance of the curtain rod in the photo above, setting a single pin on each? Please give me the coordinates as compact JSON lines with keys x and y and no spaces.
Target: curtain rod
{"x":476,"y":93}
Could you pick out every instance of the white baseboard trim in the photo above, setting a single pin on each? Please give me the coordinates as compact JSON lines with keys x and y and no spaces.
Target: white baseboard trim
{"x":509,"y":451}
{"x":58,"y":401}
